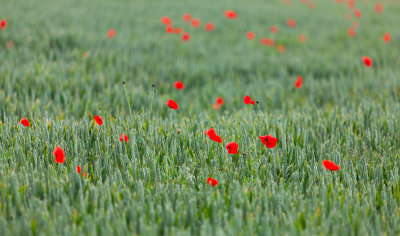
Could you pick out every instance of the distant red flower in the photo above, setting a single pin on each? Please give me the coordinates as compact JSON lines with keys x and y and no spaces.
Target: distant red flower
{"x":367,"y":61}
{"x":267,"y":42}
{"x":250,"y":35}
{"x":172,"y":104}
{"x":195,"y":22}
{"x":59,"y":155}
{"x":124,"y":137}
{"x":111,"y":33}
{"x":386,"y":37}
{"x":186,"y":17}
{"x":291,"y":23}
{"x":232,"y":148}
{"x":269,"y":141}
{"x":311,"y":5}
{"x":357,"y":13}
{"x":299,"y":82}
{"x":230,"y":14}
{"x":24,"y":122}
{"x":330,"y":165}
{"x":213,"y":136}
{"x":185,"y":37}
{"x":84,"y":174}
{"x":99,"y":120}
{"x":355,"y":24}
{"x":209,"y":26}
{"x":212,"y":181}
{"x":3,"y":24}
{"x":339,"y":1}
{"x":248,"y":100}
{"x":85,"y":55}
{"x":302,"y":38}
{"x":351,"y":4}
{"x":274,"y":29}
{"x":178,"y":85}
{"x":351,"y":32}
{"x":378,"y":7}
{"x":169,"y":29}
{"x":10,"y":44}
{"x":281,"y":48}
{"x":166,"y":20}
{"x":178,"y":30}
{"x":218,"y":103}
{"x":78,"y":169}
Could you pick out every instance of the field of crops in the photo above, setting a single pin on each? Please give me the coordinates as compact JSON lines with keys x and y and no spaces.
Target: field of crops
{"x":323,"y":76}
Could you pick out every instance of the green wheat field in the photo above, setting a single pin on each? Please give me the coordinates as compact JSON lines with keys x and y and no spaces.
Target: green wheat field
{"x":59,"y":68}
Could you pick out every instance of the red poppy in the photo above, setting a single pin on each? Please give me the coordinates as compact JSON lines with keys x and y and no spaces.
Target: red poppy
{"x":99,"y":120}
{"x":351,"y":32}
{"x":269,"y":141}
{"x":378,"y":7}
{"x":195,"y":22}
{"x":59,"y":155}
{"x":232,"y":148}
{"x":78,"y":169}
{"x":299,"y":82}
{"x":178,"y":85}
{"x":124,"y":137}
{"x":111,"y":33}
{"x":218,"y":103}
{"x":213,"y":136}
{"x":291,"y":23}
{"x":267,"y":42}
{"x":186,"y":17}
{"x":178,"y":30}
{"x":209,"y":27}
{"x":339,"y":1}
{"x":169,"y":29}
{"x":351,"y":4}
{"x":172,"y":104}
{"x":212,"y":181}
{"x":311,"y":5}
{"x":24,"y":122}
{"x":166,"y":20}
{"x":250,"y":35}
{"x":84,"y":174}
{"x":281,"y":48}
{"x":230,"y":14}
{"x":367,"y":61}
{"x":85,"y":55}
{"x":357,"y":13}
{"x":248,"y":100}
{"x":386,"y":37}
{"x":185,"y":37}
{"x":302,"y":38}
{"x":10,"y":44}
{"x":274,"y":29}
{"x":3,"y":24}
{"x":330,"y":165}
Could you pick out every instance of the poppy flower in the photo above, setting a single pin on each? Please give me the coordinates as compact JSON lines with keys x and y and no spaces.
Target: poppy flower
{"x":178,"y":30}
{"x":330,"y":165}
{"x":351,"y":32}
{"x":386,"y":37}
{"x":355,"y":24}
{"x":299,"y":82}
{"x":213,"y":136}
{"x":169,"y":29}
{"x":351,"y":4}
{"x":172,"y":104}
{"x":357,"y":13}
{"x":166,"y":20}
{"x":232,"y":148}
{"x":111,"y":33}
{"x":274,"y":29}
{"x":302,"y":38}
{"x":311,"y":5}
{"x":269,"y":141}
{"x":186,"y":17}
{"x":99,"y":120}
{"x":209,"y":27}
{"x":178,"y":85}
{"x":24,"y":122}
{"x":59,"y":155}
{"x":185,"y":37}
{"x":85,"y":55}
{"x":291,"y":23}
{"x":78,"y":169}
{"x":230,"y":14}
{"x":281,"y":48}
{"x":212,"y":181}
{"x":367,"y":61}
{"x":248,"y":100}
{"x":10,"y":44}
{"x":218,"y":103}
{"x":84,"y":174}
{"x":195,"y":23}
{"x":250,"y":35}
{"x":378,"y":7}
{"x":3,"y":24}
{"x":267,"y":42}
{"x":123,"y":137}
